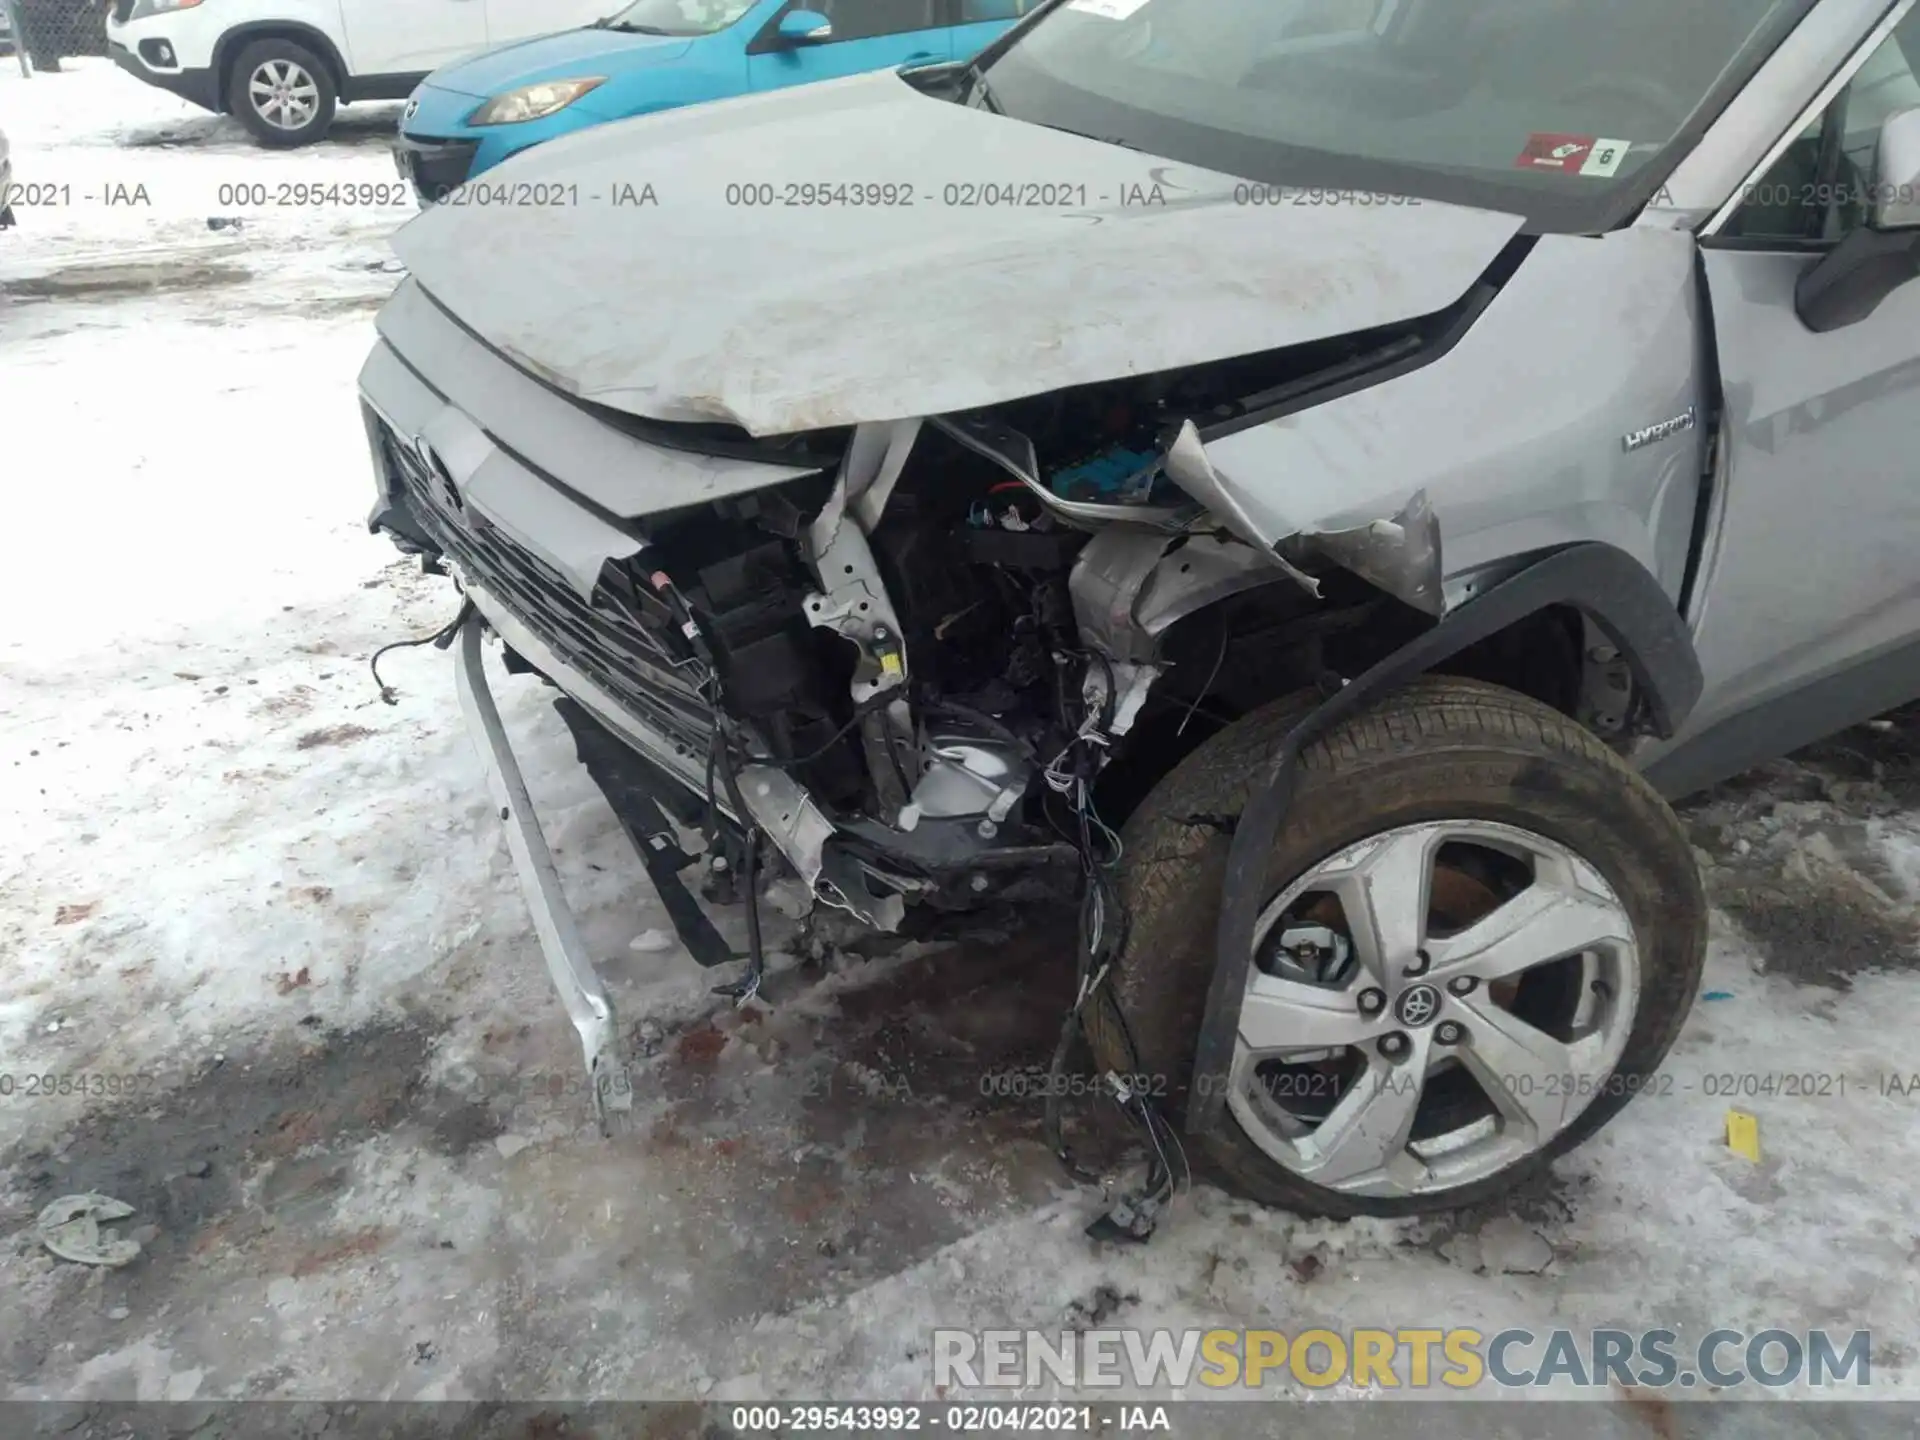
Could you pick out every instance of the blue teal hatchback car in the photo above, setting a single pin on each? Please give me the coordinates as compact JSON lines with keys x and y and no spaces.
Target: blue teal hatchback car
{"x":660,"y":54}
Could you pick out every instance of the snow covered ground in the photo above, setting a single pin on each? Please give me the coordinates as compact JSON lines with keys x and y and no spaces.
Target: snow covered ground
{"x":280,"y":914}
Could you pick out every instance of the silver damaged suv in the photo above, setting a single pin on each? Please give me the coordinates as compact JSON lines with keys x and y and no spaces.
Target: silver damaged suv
{"x":1311,"y":474}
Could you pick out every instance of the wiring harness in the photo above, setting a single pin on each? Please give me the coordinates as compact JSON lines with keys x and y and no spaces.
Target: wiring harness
{"x":1095,"y":1013}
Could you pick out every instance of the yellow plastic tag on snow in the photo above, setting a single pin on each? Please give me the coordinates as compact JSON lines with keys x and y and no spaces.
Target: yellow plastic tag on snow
{"x":1743,"y":1135}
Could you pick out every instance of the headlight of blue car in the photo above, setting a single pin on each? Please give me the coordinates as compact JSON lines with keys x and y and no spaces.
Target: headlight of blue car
{"x":533,"y":102}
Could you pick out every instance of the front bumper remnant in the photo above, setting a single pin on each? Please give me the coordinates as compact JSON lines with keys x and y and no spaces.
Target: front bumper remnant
{"x":581,"y":992}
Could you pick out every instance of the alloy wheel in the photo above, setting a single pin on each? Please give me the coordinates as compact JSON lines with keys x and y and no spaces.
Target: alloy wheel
{"x":1431,"y":1005}
{"x":284,"y":94}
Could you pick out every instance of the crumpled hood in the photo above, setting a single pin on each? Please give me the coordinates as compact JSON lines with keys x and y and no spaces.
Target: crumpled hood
{"x":563,"y":56}
{"x":664,"y":293}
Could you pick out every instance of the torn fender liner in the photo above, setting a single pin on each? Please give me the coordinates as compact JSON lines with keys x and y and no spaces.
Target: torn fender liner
{"x":1400,"y":554}
{"x":784,"y":319}
{"x":1603,"y":582}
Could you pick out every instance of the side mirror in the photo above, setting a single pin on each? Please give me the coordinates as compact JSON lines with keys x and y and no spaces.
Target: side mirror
{"x":804,"y":27}
{"x":1883,"y":254}
{"x":1896,"y":174}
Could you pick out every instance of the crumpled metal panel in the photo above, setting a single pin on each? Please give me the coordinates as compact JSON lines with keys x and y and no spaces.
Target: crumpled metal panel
{"x":617,"y":472}
{"x":783,"y":319}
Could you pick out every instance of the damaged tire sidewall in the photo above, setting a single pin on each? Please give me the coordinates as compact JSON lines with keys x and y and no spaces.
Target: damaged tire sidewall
{"x":1440,"y":750}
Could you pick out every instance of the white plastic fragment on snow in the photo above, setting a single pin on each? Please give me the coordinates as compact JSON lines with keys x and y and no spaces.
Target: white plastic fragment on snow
{"x":71,"y":1227}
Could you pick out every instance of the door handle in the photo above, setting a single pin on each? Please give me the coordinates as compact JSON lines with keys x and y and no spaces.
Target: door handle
{"x":920,"y":55}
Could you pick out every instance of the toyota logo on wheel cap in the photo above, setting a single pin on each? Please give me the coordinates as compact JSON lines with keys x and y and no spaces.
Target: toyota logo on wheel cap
{"x":1417,"y":1005}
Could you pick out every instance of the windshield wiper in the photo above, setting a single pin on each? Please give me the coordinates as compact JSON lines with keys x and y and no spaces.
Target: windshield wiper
{"x":981,"y":96}
{"x":634,"y":29}
{"x":1097,"y":139}
{"x":982,"y":91}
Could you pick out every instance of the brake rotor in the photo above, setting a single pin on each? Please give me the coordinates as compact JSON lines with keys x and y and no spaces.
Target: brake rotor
{"x":1459,"y":899}
{"x":1456,"y":899}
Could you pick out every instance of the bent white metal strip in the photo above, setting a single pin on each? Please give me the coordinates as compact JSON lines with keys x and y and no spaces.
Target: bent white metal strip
{"x":581,"y":992}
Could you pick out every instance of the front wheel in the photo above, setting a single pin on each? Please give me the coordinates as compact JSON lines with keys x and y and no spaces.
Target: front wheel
{"x":282,"y":92}
{"x":1480,"y":933}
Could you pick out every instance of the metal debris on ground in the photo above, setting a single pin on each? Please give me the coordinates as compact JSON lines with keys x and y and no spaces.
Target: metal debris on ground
{"x":70,"y":1228}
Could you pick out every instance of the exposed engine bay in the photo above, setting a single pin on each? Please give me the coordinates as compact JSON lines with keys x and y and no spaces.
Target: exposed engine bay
{"x":926,"y":665}
{"x":919,"y":680}
{"x":913,"y":669}
{"x":907,"y":669}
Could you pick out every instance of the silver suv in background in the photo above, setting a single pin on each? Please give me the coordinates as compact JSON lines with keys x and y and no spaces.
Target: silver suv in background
{"x":1319,"y":474}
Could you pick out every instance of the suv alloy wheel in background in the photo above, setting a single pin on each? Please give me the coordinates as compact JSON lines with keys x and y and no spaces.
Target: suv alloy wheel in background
{"x":283,"y":67}
{"x":282,"y":92}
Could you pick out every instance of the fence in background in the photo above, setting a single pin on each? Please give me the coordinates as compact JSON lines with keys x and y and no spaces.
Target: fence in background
{"x":49,"y":31}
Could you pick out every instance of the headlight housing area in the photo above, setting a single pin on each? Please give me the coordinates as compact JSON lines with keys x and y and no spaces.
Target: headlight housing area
{"x":146,"y":9}
{"x":533,"y":102}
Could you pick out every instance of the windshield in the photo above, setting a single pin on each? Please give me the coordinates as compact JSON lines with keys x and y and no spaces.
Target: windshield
{"x":1550,"y":109}
{"x":678,"y":17}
